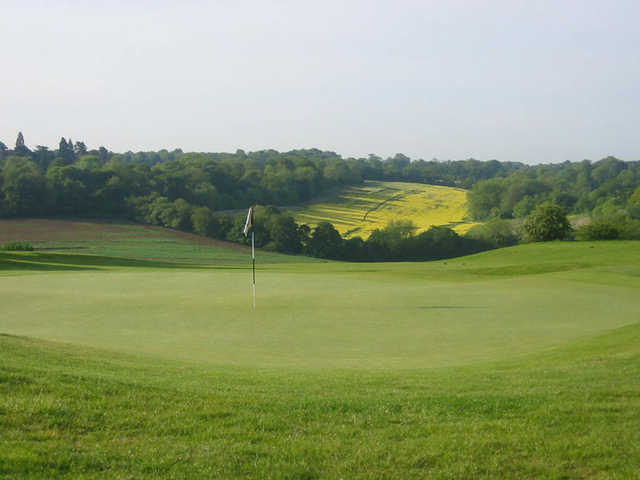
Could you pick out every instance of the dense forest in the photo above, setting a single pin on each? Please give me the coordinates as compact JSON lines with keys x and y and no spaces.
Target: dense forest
{"x":78,"y":181}
{"x":605,"y":188}
{"x":185,"y":190}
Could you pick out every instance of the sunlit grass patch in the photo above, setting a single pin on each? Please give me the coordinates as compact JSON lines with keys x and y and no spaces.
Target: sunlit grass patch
{"x":463,"y":228}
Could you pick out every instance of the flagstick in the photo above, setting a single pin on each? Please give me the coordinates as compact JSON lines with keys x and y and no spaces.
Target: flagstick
{"x":253,"y":262}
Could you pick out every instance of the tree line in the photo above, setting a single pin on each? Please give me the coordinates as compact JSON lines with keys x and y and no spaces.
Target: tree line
{"x":606,"y":189}
{"x":277,"y":230}
{"x":191,"y":191}
{"x":161,"y":187}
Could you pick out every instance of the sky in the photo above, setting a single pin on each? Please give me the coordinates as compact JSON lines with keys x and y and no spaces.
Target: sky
{"x":529,"y":81}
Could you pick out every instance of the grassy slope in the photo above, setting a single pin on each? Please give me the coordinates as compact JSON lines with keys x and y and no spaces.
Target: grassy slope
{"x":130,"y":240}
{"x":359,"y":210}
{"x":326,"y":385}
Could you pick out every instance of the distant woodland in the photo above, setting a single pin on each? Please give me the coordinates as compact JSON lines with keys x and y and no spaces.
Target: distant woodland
{"x":188,"y":191}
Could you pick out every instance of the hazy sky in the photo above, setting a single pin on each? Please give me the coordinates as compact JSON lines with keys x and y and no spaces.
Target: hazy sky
{"x":531,"y":81}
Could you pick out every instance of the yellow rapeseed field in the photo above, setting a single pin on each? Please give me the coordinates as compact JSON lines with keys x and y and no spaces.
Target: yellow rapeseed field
{"x":357,"y":211}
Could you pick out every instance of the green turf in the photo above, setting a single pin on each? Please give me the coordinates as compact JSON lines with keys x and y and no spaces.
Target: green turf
{"x":516,"y":363}
{"x":169,"y":249}
{"x":130,"y":240}
{"x":398,"y":315}
{"x":67,"y":412}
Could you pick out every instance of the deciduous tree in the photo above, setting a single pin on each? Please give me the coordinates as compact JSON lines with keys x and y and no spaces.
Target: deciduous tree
{"x":547,"y":222}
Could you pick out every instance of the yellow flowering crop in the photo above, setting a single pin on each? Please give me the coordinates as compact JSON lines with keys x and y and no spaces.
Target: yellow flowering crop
{"x":357,"y":211}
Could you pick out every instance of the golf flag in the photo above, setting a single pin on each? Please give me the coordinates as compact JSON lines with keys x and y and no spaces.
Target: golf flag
{"x":249,"y":223}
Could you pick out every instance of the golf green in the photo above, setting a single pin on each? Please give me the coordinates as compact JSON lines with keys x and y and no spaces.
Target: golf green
{"x":491,"y":306}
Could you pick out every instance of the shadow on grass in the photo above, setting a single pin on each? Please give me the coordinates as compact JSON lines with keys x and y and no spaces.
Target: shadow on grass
{"x":526,"y":269}
{"x":36,"y":261}
{"x":18,"y":266}
{"x":450,"y":307}
{"x":55,"y":249}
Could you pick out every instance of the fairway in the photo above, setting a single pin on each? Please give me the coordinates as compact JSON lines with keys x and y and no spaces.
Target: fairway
{"x":357,"y":211}
{"x":487,"y":307}
{"x":130,"y":240}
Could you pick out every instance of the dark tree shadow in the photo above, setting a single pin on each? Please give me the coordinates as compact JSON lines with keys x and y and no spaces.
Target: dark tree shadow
{"x":37,"y":261}
{"x":450,"y":307}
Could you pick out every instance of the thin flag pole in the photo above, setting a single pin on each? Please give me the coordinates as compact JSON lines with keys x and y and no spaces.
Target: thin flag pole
{"x":248,"y":225}
{"x":253,"y":265}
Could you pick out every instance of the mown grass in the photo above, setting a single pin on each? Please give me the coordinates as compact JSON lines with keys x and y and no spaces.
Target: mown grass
{"x":516,"y":363}
{"x":359,"y":210}
{"x":129,"y":240}
{"x":489,"y":306}
{"x":67,"y":412}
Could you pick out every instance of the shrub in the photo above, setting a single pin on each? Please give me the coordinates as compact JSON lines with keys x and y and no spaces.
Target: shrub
{"x":17,"y":246}
{"x":547,"y":222}
{"x":630,"y":230}
{"x":203,"y":221}
{"x":599,"y":230}
{"x":623,"y":229}
{"x":495,"y":232}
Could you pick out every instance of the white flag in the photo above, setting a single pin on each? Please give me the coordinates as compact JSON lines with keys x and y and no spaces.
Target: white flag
{"x":249,"y":223}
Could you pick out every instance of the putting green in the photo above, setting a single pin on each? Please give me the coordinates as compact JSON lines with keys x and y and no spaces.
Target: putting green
{"x":491,"y":306}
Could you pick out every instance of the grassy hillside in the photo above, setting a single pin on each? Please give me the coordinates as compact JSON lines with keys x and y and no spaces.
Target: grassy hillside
{"x":130,"y":240}
{"x":514,"y":363}
{"x":360,"y":210}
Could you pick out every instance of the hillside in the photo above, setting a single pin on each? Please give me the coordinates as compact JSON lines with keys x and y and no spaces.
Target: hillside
{"x":130,"y":240}
{"x":358,"y":210}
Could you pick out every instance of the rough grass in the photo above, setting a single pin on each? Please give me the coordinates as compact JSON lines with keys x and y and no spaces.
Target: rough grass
{"x":360,"y":210}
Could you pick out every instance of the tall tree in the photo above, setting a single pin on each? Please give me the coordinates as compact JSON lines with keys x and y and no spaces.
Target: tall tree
{"x":19,"y":141}
{"x":65,"y":151}
{"x":24,"y":187}
{"x":21,"y":149}
{"x":80,"y":148}
{"x":43,"y":157}
{"x":325,"y":241}
{"x":103,"y":155}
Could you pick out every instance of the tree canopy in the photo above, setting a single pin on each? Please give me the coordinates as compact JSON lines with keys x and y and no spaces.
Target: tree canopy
{"x":580,"y":187}
{"x":195,"y":191}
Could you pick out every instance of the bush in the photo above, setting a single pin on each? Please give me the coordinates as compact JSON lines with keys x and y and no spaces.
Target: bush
{"x":495,"y":232}
{"x":547,"y":222}
{"x":630,"y":230}
{"x":600,"y":230}
{"x":17,"y":246}
{"x":203,"y":221}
